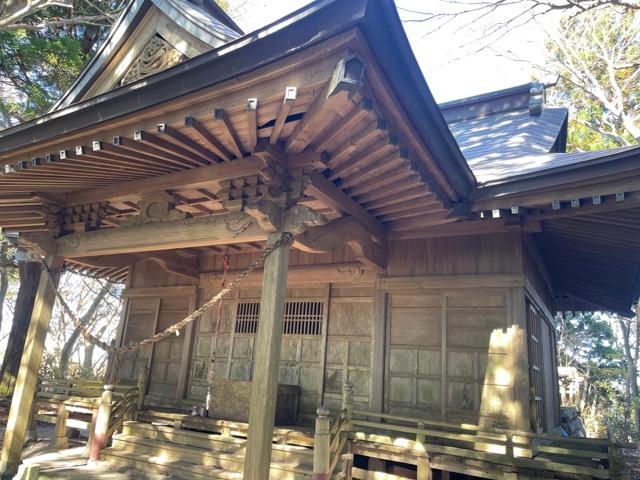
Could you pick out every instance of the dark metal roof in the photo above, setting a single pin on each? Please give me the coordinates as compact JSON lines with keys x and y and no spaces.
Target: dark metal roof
{"x":492,"y":144}
{"x":377,"y":19}
{"x":493,"y":172}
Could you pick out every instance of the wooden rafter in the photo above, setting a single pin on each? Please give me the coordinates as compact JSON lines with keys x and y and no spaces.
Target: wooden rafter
{"x":201,"y":177}
{"x":228,"y":132}
{"x":166,"y":146}
{"x":338,"y":98}
{"x":206,"y":137}
{"x":252,"y":122}
{"x":289,"y":99}
{"x":185,"y":142}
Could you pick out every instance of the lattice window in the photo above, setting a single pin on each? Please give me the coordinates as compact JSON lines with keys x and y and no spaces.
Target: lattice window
{"x":247,"y":317}
{"x":300,"y":318}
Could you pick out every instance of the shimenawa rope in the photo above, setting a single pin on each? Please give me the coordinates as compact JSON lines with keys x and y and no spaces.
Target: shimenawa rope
{"x":285,"y":240}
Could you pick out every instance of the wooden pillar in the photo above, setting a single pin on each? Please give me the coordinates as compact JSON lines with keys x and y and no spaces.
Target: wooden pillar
{"x":26,"y":382}
{"x":378,"y":340}
{"x":264,"y":386}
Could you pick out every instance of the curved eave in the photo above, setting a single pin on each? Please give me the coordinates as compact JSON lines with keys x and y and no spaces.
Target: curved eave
{"x":301,"y":29}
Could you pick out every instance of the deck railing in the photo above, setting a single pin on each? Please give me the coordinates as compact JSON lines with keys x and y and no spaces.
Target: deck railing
{"x":432,"y":444}
{"x":85,"y":405}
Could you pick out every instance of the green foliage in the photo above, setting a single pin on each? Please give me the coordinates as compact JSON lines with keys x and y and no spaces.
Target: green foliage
{"x":39,"y":68}
{"x":591,"y":342}
{"x":597,"y":55}
{"x":42,"y":55}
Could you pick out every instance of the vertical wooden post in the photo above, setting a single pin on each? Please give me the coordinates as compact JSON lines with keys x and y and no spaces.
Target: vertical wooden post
{"x":32,"y":430}
{"x":347,"y":402}
{"x":347,"y":412}
{"x":25,"y":387}
{"x":321,"y":445}
{"x":59,"y":437}
{"x":102,"y":423}
{"x":143,"y":378}
{"x":378,"y":350}
{"x":424,"y":469}
{"x":264,"y":386}
{"x":92,"y":430}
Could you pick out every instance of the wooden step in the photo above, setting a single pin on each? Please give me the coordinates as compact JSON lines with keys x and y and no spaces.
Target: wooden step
{"x":167,"y":466}
{"x":214,"y":442}
{"x":136,"y":446}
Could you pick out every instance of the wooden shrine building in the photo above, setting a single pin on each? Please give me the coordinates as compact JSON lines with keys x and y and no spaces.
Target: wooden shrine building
{"x":432,"y":244}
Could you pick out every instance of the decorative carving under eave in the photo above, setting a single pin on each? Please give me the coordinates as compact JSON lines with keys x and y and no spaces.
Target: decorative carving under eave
{"x":157,"y":55}
{"x":344,"y":231}
{"x":155,"y":208}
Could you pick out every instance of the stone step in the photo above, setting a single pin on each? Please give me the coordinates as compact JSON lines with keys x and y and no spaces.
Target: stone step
{"x":214,"y":442}
{"x":136,"y":446}
{"x":167,"y":466}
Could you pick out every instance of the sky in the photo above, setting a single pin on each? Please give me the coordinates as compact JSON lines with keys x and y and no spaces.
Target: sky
{"x":450,"y":58}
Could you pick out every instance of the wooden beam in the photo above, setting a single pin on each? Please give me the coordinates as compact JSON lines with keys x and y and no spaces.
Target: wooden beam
{"x":26,"y":382}
{"x":190,"y":232}
{"x":191,"y":178}
{"x":350,"y":272}
{"x":264,"y":387}
{"x":325,"y":191}
{"x":467,"y":227}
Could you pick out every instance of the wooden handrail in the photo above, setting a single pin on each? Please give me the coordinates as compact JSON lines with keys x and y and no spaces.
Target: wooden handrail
{"x":501,"y":446}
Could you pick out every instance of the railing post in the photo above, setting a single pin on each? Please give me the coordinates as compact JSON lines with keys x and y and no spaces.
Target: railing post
{"x":420,"y":438}
{"x":509,"y":450}
{"x":59,"y":437}
{"x":102,"y":423}
{"x":424,"y":471}
{"x":321,"y":445}
{"x":142,"y":387}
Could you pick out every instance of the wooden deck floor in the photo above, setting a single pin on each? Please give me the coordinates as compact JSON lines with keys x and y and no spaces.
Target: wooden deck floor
{"x":72,"y":464}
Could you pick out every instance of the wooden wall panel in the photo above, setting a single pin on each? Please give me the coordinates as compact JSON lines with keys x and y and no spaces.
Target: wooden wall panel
{"x":449,"y":354}
{"x":349,"y":349}
{"x":465,"y":255}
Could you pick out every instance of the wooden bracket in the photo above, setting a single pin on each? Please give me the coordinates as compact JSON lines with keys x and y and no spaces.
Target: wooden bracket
{"x":344,"y":231}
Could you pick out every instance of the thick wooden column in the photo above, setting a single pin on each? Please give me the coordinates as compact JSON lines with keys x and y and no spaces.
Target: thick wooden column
{"x":26,"y":382}
{"x":264,"y":387}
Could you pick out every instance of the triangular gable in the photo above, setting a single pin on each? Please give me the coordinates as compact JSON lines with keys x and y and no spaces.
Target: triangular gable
{"x":149,"y":37}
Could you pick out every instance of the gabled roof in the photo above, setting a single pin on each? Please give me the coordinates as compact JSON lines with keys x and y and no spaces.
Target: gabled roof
{"x":190,"y":26}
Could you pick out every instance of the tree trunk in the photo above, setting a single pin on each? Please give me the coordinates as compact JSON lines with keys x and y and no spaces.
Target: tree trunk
{"x":29,"y":278}
{"x":4,"y":286}
{"x":631,"y":406}
{"x":86,"y":319}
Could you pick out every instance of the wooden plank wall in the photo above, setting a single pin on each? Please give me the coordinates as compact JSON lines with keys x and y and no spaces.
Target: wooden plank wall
{"x":448,"y":349}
